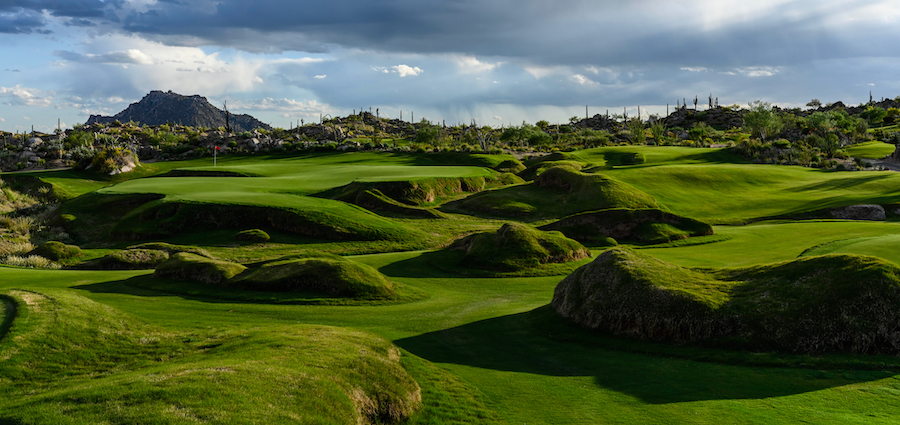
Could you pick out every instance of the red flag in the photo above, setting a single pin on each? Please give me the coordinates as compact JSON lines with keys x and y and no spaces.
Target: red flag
{"x":217,"y":148}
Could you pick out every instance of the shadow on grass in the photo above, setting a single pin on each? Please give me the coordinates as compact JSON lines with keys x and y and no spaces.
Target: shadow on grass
{"x":445,"y":264}
{"x":540,"y":342}
{"x":149,"y":286}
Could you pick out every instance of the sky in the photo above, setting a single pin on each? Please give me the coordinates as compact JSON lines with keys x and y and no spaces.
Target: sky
{"x":499,"y":62}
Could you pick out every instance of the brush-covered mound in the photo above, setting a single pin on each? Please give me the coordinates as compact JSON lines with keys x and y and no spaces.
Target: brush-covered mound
{"x":321,"y":273}
{"x":558,"y":192}
{"x":56,"y":251}
{"x":515,"y":247}
{"x":78,"y":361}
{"x":193,"y":267}
{"x":173,"y":249}
{"x":320,"y":219}
{"x":832,"y":303}
{"x":415,"y":197}
{"x":128,"y":259}
{"x":649,"y":225}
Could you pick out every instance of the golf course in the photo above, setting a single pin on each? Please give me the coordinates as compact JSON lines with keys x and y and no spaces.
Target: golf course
{"x":377,"y":287}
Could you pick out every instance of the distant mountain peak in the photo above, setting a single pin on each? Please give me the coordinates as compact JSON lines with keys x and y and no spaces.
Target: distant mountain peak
{"x":159,"y":107}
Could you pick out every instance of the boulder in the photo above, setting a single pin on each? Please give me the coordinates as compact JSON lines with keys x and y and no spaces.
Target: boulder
{"x":860,"y":212}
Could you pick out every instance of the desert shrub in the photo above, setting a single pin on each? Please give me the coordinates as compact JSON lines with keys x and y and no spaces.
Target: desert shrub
{"x":55,"y":250}
{"x":131,"y":259}
{"x":31,"y":261}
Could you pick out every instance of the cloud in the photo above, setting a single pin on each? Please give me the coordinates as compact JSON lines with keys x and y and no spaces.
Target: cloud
{"x":402,"y":70}
{"x":25,"y":96}
{"x":471,"y":64}
{"x":581,"y":79}
{"x":320,"y":77}
{"x":405,"y":70}
{"x":694,"y":69}
{"x":130,"y":56}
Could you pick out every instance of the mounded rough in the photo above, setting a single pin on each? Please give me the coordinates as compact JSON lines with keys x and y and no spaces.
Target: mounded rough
{"x":324,"y":273}
{"x":831,"y":303}
{"x":515,"y":247}
{"x":252,"y":235}
{"x":647,"y":225}
{"x":56,"y":251}
{"x":129,"y":259}
{"x":860,"y":212}
{"x":186,"y":266}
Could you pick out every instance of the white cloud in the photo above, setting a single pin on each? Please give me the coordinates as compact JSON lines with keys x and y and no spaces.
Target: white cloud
{"x":402,"y":70}
{"x":2,"y":119}
{"x":539,"y":72}
{"x":694,"y":68}
{"x":757,"y":71}
{"x":282,"y":105}
{"x":581,"y":79}
{"x":159,"y":67}
{"x":405,"y":70}
{"x":498,"y":118}
{"x":25,"y":96}
{"x":471,"y":64}
{"x":320,"y":77}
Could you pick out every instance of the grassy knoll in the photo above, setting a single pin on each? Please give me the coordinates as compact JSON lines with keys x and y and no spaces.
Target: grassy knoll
{"x":557,"y":192}
{"x":514,"y":249}
{"x":635,"y":225}
{"x":834,"y":303}
{"x":876,"y":150}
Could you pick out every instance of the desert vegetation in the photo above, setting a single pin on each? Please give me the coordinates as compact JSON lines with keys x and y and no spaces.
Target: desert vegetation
{"x":706,"y":265}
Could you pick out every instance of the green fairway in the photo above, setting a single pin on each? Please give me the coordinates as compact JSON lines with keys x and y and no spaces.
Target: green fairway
{"x":874,"y":150}
{"x":89,"y":346}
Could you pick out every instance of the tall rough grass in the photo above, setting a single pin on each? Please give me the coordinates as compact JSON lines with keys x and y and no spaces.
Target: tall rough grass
{"x":31,"y":261}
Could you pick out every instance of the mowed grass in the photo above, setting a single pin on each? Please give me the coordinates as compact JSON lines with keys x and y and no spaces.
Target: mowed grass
{"x":739,"y":193}
{"x":884,"y":246}
{"x":488,"y":349}
{"x":875,"y":150}
{"x":469,"y":327}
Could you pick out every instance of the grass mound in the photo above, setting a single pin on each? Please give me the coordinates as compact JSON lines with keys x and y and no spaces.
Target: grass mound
{"x":316,"y":273}
{"x":649,"y":225}
{"x":56,"y":251}
{"x":252,"y":235}
{"x":187,"y":266}
{"x":515,"y":247}
{"x":557,"y":192}
{"x":834,"y":303}
{"x":78,"y":361}
{"x":322,"y":273}
{"x":323,"y":219}
{"x":128,"y":259}
{"x":173,"y":249}
{"x":416,"y":197}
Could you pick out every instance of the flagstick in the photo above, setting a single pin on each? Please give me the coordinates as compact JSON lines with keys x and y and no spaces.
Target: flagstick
{"x":215,"y":151}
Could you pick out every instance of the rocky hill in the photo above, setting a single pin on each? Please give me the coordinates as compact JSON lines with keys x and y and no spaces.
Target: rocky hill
{"x":157,"y":108}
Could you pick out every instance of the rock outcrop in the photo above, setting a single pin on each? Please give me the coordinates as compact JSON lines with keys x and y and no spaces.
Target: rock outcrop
{"x":158,"y":108}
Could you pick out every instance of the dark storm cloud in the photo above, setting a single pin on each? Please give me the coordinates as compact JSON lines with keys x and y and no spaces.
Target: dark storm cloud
{"x":562,"y":32}
{"x":22,"y":22}
{"x":27,"y":16}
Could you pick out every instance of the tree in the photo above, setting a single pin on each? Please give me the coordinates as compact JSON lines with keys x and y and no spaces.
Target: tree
{"x":815,"y":104}
{"x":761,"y":120}
{"x":873,"y":114}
